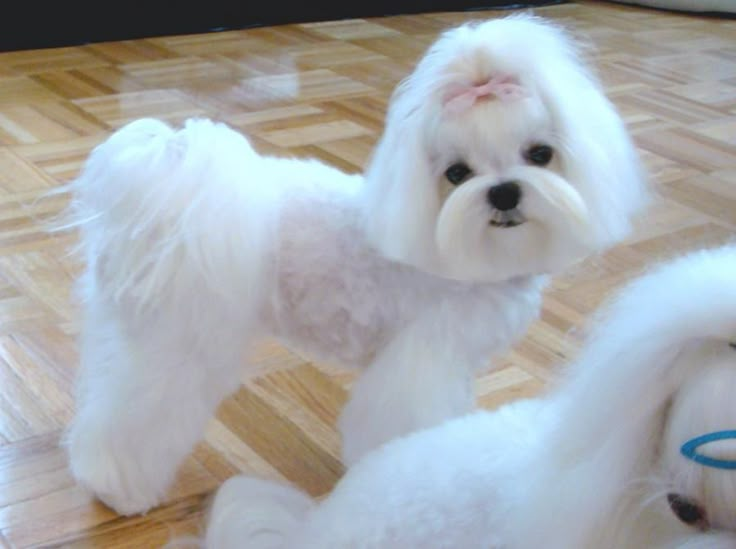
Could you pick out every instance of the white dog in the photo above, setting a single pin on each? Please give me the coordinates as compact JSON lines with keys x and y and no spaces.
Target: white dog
{"x":596,"y":464}
{"x":501,"y":161}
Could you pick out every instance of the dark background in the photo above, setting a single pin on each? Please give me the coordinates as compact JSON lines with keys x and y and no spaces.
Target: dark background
{"x":33,"y":24}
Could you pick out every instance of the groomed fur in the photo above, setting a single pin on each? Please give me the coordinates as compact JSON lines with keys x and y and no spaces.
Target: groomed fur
{"x":160,"y":212}
{"x":259,"y":521}
{"x":564,"y":471}
{"x":150,"y":199}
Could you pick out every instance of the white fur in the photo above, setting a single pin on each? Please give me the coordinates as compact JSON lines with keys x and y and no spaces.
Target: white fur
{"x":587,"y":466}
{"x":196,"y":246}
{"x":272,"y":510}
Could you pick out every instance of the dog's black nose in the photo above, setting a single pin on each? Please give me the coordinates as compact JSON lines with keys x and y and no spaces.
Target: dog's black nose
{"x":687,"y":510}
{"x":505,"y":196}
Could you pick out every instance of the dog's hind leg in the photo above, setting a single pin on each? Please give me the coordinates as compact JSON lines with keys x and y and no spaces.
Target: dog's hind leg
{"x":174,"y":231}
{"x":145,"y":392}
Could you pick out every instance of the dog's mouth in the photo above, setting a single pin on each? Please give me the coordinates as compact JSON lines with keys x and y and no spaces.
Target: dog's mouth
{"x":505,"y":224}
{"x":507,"y":218}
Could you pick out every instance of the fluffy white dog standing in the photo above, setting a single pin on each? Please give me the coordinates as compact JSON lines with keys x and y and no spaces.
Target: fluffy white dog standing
{"x":501,"y":161}
{"x":596,"y":464}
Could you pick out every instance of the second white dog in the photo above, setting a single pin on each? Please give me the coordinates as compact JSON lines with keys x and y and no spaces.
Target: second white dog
{"x":597,"y":464}
{"x":501,"y":161}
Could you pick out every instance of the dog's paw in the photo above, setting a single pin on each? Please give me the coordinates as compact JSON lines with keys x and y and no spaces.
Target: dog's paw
{"x":117,"y":477}
{"x":126,"y":504}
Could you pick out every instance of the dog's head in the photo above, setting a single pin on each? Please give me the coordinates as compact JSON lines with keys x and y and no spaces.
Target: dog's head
{"x":698,"y":452}
{"x":500,"y":157}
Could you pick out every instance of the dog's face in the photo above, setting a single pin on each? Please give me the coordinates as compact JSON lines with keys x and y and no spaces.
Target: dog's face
{"x":703,"y":496}
{"x":501,"y":157}
{"x":506,"y":206}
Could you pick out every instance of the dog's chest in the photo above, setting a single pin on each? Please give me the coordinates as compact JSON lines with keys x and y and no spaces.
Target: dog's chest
{"x":339,"y":301}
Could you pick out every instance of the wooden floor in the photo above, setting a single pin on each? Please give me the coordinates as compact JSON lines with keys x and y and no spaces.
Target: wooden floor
{"x":314,"y":89}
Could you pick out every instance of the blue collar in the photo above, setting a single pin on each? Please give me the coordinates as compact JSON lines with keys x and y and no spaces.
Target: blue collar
{"x":689,"y":450}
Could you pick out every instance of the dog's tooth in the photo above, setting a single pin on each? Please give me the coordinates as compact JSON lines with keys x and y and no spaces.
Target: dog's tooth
{"x":517,"y":216}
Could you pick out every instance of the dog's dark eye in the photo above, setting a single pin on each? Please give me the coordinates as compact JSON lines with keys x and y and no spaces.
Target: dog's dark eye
{"x":540,"y":155}
{"x":457,"y":173}
{"x":687,"y":510}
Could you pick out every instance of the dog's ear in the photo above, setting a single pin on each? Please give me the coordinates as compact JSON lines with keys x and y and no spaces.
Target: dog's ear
{"x":401,"y":199}
{"x":598,"y":154}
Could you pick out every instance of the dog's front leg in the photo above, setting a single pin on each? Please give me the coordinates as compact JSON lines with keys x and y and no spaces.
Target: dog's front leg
{"x":419,"y":380}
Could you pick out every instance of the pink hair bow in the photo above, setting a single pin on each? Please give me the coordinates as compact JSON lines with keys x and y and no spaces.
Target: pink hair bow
{"x":503,"y":86}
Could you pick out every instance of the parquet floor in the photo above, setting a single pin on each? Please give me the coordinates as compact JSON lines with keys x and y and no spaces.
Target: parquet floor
{"x":313,"y":89}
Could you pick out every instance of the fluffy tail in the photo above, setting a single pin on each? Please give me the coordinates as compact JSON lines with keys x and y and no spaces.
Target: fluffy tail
{"x":165,"y":213}
{"x":250,"y":513}
{"x":631,"y":361}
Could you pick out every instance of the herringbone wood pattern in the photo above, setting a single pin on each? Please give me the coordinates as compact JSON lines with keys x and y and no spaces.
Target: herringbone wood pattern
{"x":313,"y":89}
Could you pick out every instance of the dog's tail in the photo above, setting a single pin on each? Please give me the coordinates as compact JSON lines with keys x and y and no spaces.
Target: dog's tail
{"x":634,"y":358}
{"x":165,"y":213}
{"x":249,"y":513}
